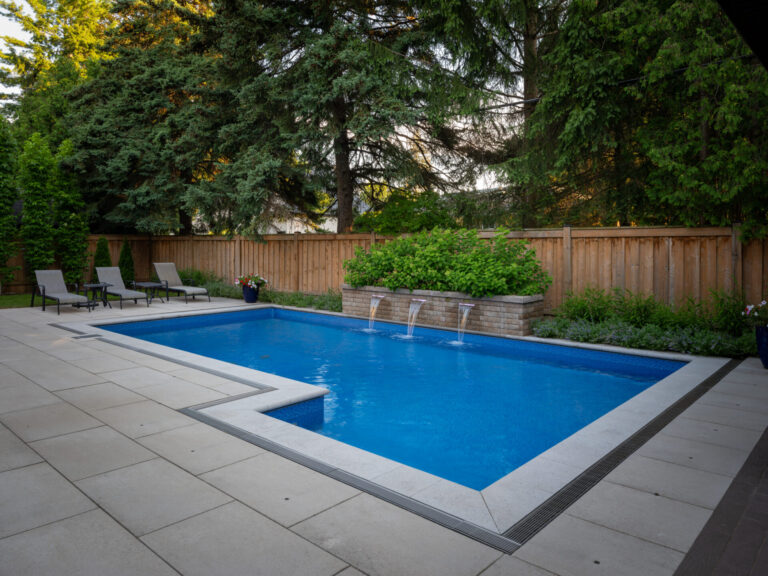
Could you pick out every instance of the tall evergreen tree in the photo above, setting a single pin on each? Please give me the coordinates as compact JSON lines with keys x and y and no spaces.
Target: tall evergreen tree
{"x":344,"y":95}
{"x":653,"y":112}
{"x":8,"y":196}
{"x":36,"y":166}
{"x":70,"y":222}
{"x":69,"y":29}
{"x":137,"y":124}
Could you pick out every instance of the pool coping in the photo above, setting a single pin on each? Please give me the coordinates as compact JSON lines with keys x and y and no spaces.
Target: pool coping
{"x":485,"y":515}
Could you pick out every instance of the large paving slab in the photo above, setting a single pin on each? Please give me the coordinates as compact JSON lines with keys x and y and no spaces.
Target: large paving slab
{"x":52,"y":373}
{"x":199,"y":448}
{"x":23,"y":395}
{"x":713,"y":433}
{"x":513,"y":566}
{"x":90,"y":544}
{"x":672,"y":481}
{"x":99,"y":396}
{"x":142,"y":418}
{"x":638,"y":513}
{"x":151,"y":495}
{"x":234,"y":540}
{"x":14,"y":453}
{"x":46,"y":421}
{"x":404,"y":543}
{"x":694,"y":454}
{"x":282,"y":490}
{"x":89,"y":452}
{"x":573,"y":547}
{"x":37,"y":495}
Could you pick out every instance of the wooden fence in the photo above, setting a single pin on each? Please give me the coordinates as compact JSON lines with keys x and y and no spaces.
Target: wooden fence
{"x":670,"y":263}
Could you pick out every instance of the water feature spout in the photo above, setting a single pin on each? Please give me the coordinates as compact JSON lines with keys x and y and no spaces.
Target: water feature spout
{"x":375,"y":299}
{"x":413,"y":311}
{"x":464,"y":309}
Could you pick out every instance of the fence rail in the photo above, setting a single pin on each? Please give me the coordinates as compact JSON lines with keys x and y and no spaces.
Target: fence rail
{"x":670,"y":263}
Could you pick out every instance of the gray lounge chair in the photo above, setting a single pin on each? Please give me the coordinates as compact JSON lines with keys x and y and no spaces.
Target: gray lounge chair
{"x":169,"y":278}
{"x":111,"y":275}
{"x":51,"y":285}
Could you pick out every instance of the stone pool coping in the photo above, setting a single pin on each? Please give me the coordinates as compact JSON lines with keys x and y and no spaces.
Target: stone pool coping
{"x":492,"y":510}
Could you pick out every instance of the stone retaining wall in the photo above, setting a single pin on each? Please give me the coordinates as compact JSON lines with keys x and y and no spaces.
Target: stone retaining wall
{"x":505,"y":315}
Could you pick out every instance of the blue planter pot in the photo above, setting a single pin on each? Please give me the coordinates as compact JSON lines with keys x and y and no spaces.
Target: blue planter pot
{"x":250,"y":295}
{"x":761,"y":334}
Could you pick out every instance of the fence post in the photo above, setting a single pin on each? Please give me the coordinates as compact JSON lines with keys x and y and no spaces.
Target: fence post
{"x":567,"y":260}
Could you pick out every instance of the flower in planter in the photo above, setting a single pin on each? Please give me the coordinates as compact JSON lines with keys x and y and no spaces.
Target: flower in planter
{"x":250,"y":280}
{"x":756,"y":314}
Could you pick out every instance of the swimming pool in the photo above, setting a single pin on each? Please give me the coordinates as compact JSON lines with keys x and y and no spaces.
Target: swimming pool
{"x":469,"y":413}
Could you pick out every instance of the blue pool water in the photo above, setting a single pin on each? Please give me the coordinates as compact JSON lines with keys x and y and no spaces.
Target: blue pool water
{"x":470,"y":413}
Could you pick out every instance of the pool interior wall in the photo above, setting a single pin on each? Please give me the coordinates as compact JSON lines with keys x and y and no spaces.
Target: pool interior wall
{"x":469,"y":413}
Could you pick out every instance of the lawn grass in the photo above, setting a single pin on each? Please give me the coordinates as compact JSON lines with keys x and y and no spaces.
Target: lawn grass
{"x":17,"y":300}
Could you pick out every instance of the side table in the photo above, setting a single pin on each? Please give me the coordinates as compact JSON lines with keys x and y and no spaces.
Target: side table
{"x":98,"y":292}
{"x":151,"y":289}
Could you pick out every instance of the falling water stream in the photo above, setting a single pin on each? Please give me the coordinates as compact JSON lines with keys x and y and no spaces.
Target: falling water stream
{"x":413,"y":312}
{"x":464,"y":310}
{"x":375,"y":299}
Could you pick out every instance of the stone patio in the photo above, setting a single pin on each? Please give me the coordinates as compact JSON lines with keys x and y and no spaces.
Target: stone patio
{"x":101,"y":474}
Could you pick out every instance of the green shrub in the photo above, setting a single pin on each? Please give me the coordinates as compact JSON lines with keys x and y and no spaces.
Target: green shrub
{"x":101,"y":258}
{"x":726,"y":312}
{"x":593,"y":305}
{"x":195,"y":277}
{"x":125,"y":262}
{"x":331,"y":300}
{"x":716,"y":328}
{"x":450,"y":260}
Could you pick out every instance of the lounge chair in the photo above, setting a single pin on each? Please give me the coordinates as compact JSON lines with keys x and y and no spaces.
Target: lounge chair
{"x":111,"y":275}
{"x":51,"y":285}
{"x":169,"y":278}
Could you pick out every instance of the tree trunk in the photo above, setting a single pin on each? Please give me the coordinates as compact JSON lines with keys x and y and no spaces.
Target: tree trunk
{"x":344,"y":184}
{"x":185,"y":222}
{"x":530,"y":58}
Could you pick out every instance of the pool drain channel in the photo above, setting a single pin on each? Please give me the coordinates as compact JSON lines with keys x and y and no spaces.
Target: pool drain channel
{"x":534,"y":522}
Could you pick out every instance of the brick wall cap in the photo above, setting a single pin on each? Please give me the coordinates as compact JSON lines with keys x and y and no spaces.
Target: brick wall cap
{"x":437,"y":294}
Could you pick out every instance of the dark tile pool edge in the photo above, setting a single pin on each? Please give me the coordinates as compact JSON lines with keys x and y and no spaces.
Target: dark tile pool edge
{"x":487,"y":537}
{"x":545,"y":513}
